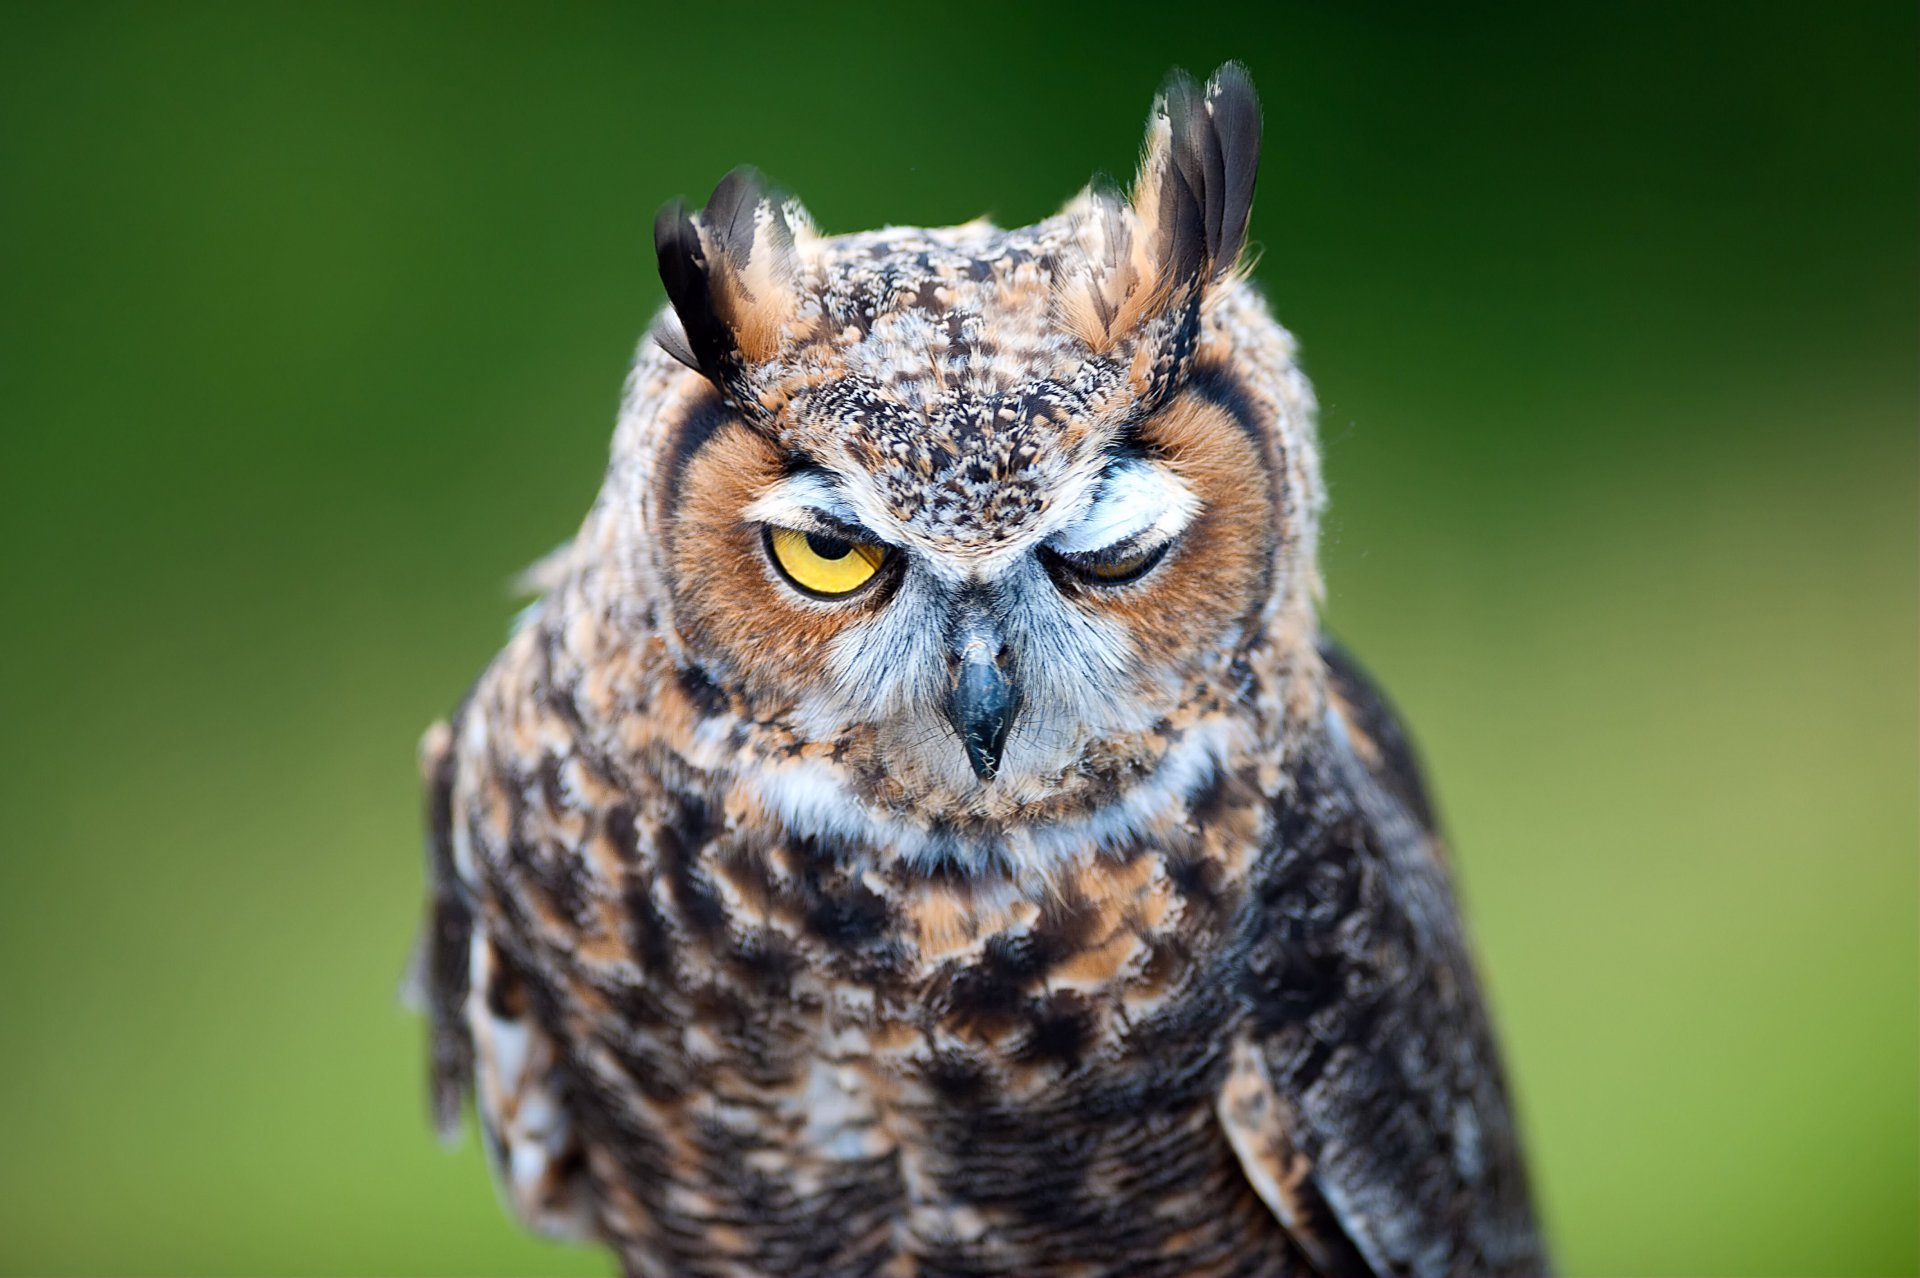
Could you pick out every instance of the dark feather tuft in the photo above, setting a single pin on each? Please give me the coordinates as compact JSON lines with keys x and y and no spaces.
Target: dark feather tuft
{"x":672,"y":338}
{"x":1236,"y":126}
{"x":1183,"y":187}
{"x":686,"y":273}
{"x":725,"y":313}
{"x":728,"y":217}
{"x":1213,"y":155}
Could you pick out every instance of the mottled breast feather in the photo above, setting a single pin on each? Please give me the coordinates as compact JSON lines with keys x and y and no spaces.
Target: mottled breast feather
{"x":750,"y":968}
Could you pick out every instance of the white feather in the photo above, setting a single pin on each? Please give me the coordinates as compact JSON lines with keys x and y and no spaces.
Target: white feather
{"x":1136,"y":499}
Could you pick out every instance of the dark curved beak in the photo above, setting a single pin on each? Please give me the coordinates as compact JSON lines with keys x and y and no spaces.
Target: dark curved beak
{"x":982,"y":705}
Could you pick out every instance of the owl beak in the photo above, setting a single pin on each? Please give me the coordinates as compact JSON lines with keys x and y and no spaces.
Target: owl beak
{"x":982,"y":705}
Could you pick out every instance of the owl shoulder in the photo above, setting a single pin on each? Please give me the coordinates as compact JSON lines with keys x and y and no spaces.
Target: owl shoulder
{"x":1373,"y":731}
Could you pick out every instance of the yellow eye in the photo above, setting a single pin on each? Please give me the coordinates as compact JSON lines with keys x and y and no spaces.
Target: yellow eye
{"x":1102,"y":571}
{"x":821,"y":565}
{"x":1128,"y":568}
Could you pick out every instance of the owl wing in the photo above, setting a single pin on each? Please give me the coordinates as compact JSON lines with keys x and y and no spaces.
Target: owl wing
{"x":1365,"y":1100}
{"x":483,"y":1038}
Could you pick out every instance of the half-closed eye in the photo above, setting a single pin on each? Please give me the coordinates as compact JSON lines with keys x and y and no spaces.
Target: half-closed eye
{"x":1115,"y":566}
{"x":1138,"y":512}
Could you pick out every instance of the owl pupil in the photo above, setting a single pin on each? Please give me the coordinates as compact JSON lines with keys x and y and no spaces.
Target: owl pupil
{"x":828,"y":547}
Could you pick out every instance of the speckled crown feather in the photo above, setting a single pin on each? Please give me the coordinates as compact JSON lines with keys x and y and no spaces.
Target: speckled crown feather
{"x":965,"y":369}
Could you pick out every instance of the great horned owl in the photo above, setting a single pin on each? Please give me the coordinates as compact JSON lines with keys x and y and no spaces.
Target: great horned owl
{"x":922,"y":828}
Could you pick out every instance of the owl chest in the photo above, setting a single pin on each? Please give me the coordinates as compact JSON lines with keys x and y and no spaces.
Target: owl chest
{"x":909,"y":971}
{"x":835,"y":1062}
{"x":1027,"y":1093}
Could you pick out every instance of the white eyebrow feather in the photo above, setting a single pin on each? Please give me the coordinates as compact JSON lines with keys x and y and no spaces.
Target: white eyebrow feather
{"x":1133,"y":500}
{"x":793,"y":502}
{"x":1136,"y":499}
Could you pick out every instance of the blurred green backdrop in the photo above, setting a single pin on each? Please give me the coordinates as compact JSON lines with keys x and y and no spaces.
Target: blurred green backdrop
{"x":311,"y":327}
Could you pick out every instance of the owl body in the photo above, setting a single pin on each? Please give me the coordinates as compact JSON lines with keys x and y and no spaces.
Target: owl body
{"x":921,"y":828}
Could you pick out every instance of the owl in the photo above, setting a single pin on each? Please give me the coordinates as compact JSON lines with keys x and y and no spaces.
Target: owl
{"x":922,"y":828}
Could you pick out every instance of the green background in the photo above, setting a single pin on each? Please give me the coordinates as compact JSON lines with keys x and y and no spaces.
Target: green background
{"x":312,"y":323}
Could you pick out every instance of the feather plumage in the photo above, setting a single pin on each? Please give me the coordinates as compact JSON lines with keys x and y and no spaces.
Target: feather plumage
{"x":753,"y":968}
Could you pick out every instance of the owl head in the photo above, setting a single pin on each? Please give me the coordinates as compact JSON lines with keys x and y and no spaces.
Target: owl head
{"x":998,"y":525}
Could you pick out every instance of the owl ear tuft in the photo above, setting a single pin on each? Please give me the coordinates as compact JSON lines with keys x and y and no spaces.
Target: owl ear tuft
{"x":1205,"y":165}
{"x":731,"y":272}
{"x":1183,"y":225}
